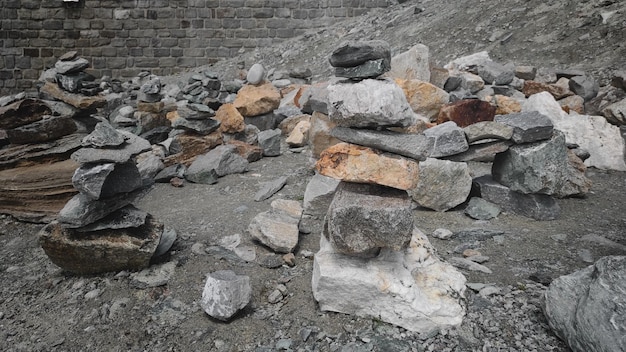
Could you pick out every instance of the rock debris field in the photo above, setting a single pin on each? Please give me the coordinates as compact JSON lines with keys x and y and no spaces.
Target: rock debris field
{"x":375,"y":196}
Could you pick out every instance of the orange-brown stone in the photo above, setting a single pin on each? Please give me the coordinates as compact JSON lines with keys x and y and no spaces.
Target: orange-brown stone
{"x":190,"y":145}
{"x":424,"y":98}
{"x":231,"y":121}
{"x":254,"y":100}
{"x":319,"y":133}
{"x":247,"y":151}
{"x":557,"y":91}
{"x":76,"y":100}
{"x":353,"y":163}
{"x":467,"y":112}
{"x":504,"y":105}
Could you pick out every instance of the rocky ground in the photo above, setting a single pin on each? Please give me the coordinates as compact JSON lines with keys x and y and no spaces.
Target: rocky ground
{"x":43,"y":308}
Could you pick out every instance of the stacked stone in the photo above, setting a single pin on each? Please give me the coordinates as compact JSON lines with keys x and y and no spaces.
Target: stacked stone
{"x":370,"y":252}
{"x":205,"y":88}
{"x":71,"y":76}
{"x":150,"y":114}
{"x":99,"y":230}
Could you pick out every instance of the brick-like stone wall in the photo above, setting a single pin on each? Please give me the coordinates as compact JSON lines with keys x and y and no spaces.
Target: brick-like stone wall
{"x":123,"y":37}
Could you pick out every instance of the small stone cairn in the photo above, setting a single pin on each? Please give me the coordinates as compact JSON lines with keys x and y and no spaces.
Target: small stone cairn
{"x":99,"y":230}
{"x":372,"y":260}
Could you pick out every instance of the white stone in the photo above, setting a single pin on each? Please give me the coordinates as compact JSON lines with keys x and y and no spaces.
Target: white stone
{"x":594,"y":134}
{"x":225,"y":293}
{"x":369,"y":103}
{"x":413,"y":288}
{"x":278,"y":227}
{"x":411,"y":64}
{"x":256,"y":74}
{"x":463,"y":63}
{"x":318,"y":194}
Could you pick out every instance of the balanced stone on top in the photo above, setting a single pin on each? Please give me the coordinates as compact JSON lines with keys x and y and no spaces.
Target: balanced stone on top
{"x":365,"y":59}
{"x":415,"y":146}
{"x":527,"y":127}
{"x":67,"y":67}
{"x":103,"y":135}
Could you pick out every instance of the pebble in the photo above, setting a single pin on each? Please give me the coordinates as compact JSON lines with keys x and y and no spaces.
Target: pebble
{"x":198,"y":248}
{"x":443,"y":234}
{"x":585,"y":255}
{"x":92,"y":294}
{"x":289,"y":259}
{"x":275,"y":296}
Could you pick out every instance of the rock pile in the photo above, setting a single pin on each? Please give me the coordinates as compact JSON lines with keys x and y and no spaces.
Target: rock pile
{"x":372,"y":260}
{"x":99,"y":230}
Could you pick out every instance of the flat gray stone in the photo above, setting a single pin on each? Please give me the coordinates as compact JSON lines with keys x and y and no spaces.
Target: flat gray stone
{"x":527,"y":127}
{"x":269,"y":141}
{"x":225,"y":293}
{"x":154,"y":276}
{"x":355,"y":53}
{"x":220,"y":161}
{"x":480,"y":209}
{"x":201,"y":126}
{"x":133,"y":146}
{"x":363,"y":218}
{"x":97,"y":181}
{"x":127,"y":217}
{"x":442,"y":184}
{"x":71,"y":66}
{"x":488,"y":130}
{"x":368,"y":69}
{"x":169,"y":172}
{"x":483,"y":152}
{"x":103,"y":135}
{"x":268,"y":189}
{"x":449,"y":139}
{"x":467,"y":264}
{"x":416,"y":146}
{"x":586,"y":309}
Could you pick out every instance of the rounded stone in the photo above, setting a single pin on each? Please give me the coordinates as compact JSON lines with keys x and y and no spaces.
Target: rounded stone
{"x":256,"y":74}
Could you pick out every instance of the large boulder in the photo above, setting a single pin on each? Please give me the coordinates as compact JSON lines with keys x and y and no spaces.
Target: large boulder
{"x":586,"y":309}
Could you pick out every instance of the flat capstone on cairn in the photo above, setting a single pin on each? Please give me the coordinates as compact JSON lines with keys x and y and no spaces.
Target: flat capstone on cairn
{"x":373,"y":261}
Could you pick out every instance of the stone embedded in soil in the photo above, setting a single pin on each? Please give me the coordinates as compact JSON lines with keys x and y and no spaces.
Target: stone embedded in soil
{"x":225,"y":293}
{"x":369,"y":103}
{"x":449,"y":139}
{"x":415,"y":146}
{"x":442,"y":184}
{"x":354,"y":163}
{"x":412,"y":288}
{"x":278,"y":227}
{"x":467,"y":264}
{"x":480,"y":209}
{"x":586,"y":308}
{"x":527,"y":127}
{"x":363,"y":218}
{"x":101,"y":251}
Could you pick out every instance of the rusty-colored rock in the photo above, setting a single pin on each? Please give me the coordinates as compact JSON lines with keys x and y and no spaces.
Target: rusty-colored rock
{"x":424,"y":98}
{"x":150,"y":107}
{"x":187,"y":146}
{"x":504,"y":105}
{"x":254,"y":100}
{"x":76,"y":100}
{"x":231,"y":121}
{"x":247,"y":151}
{"x":23,"y":112}
{"x":353,"y":163}
{"x":101,"y":251}
{"x":557,"y":91}
{"x":573,"y":103}
{"x":467,"y":112}
{"x":287,"y":125}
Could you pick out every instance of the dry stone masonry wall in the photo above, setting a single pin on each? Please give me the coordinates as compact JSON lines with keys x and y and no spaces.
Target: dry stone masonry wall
{"x":123,"y":37}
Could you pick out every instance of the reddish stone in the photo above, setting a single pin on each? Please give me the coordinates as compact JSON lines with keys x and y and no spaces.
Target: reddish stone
{"x":247,"y":151}
{"x":467,"y":112}
{"x":190,"y":145}
{"x":557,"y":91}
{"x":22,"y":113}
{"x":230,"y":119}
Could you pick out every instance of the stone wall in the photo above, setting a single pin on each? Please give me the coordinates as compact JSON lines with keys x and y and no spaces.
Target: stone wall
{"x":123,"y":37}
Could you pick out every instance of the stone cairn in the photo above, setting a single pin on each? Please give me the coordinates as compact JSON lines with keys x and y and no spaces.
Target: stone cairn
{"x":372,"y":260}
{"x":99,"y":230}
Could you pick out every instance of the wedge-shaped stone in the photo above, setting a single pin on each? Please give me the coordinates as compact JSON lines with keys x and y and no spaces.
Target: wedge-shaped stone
{"x":363,"y":218}
{"x":411,"y":288}
{"x":442,"y":184}
{"x":278,"y":227}
{"x":449,"y":139}
{"x":231,"y":121}
{"x":424,"y":98}
{"x":488,"y":130}
{"x":541,"y":167}
{"x":369,"y":103}
{"x":101,"y":251}
{"x":22,"y":112}
{"x":415,"y":146}
{"x":106,"y":180}
{"x":358,"y":164}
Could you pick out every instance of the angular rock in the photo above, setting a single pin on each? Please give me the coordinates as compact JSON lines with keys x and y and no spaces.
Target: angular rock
{"x":97,"y":181}
{"x":466,"y":112}
{"x":23,"y":112}
{"x":76,"y":100}
{"x":37,"y":192}
{"x":442,"y":184}
{"x":584,"y":86}
{"x":412,"y":64}
{"x":313,"y":98}
{"x":541,"y":167}
{"x":101,"y":251}
{"x":364,"y":218}
{"x":81,"y":210}
{"x":221,"y":161}
{"x":574,"y":103}
{"x":154,"y":276}
{"x":318,"y":194}
{"x":352,"y":54}
{"x":535,"y":206}
{"x":249,"y":152}
{"x":278,"y":227}
{"x":468,"y":61}
{"x":504,"y":104}
{"x":149,"y":165}
{"x":299,"y":136}
{"x":527,"y":127}
{"x":320,"y":133}
{"x":354,"y":163}
{"x":488,"y":130}
{"x":586,"y":309}
{"x":46,"y":129}
{"x":165,"y":175}
{"x":71,"y":66}
{"x":256,"y":74}
{"x":616,"y":113}
{"x":186,"y":147}
{"x":225,"y":293}
{"x":264,"y":122}
{"x":288,"y":124}
{"x":368,"y":69}
{"x":133,"y":146}
{"x":51,"y":151}
{"x":126,"y":217}
{"x":415,"y":146}
{"x":471,"y":82}
{"x":525,"y":72}
{"x":424,"y":98}
{"x":103,"y":135}
{"x":369,"y":103}
{"x":269,"y":188}
{"x":413,"y":288}
{"x":269,"y":141}
{"x":480,"y":209}
{"x":495,"y":73}
{"x":449,"y":139}
{"x":602,"y":140}
{"x":230,"y":119}
{"x":257,"y":100}
{"x":203,"y":127}
{"x":558,"y":92}
{"x":481,"y":152}
{"x":75,"y":82}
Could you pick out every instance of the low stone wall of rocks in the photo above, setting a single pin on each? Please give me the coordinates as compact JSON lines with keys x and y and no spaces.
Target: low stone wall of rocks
{"x":123,"y":37}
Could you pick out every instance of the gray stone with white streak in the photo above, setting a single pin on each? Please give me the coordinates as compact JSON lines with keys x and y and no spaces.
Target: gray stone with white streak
{"x":587,"y":308}
{"x":449,"y":139}
{"x":369,"y":103}
{"x":225,"y":293}
{"x":442,"y":184}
